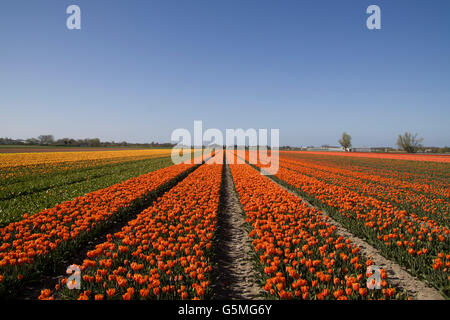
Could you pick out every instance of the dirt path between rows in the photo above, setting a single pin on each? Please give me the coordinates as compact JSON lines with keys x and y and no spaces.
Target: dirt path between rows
{"x":397,"y":276}
{"x":235,"y":276}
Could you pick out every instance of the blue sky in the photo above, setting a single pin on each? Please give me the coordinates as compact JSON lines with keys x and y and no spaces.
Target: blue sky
{"x":139,"y":69}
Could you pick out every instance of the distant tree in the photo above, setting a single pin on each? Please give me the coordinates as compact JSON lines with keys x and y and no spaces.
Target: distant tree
{"x":89,"y":142}
{"x":444,"y":149}
{"x":94,"y":142}
{"x":409,"y":142}
{"x":5,"y":140}
{"x":63,"y":142}
{"x":345,"y":141}
{"x":46,"y":139}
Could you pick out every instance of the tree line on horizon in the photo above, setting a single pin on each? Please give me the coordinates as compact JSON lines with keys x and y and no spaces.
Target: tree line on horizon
{"x":49,"y":140}
{"x":407,"y":142}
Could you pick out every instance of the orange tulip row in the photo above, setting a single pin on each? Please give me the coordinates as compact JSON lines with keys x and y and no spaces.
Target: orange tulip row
{"x":302,"y":256}
{"x":162,"y":254}
{"x":37,"y":240}
{"x":413,"y":241}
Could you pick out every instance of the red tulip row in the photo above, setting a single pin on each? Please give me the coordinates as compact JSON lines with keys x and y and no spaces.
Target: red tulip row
{"x":425,"y":205}
{"x":422,"y":177}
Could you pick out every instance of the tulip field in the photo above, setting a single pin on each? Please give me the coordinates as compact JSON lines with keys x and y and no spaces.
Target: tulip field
{"x":135,"y":226}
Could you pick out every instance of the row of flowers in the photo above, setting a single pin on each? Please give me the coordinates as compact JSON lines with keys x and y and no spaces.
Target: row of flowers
{"x":13,"y":176}
{"x":413,"y":241}
{"x":386,"y":189}
{"x":420,"y":176}
{"x":162,"y":254}
{"x":41,"y":240}
{"x":11,"y":160}
{"x":301,"y":254}
{"x":375,"y":155}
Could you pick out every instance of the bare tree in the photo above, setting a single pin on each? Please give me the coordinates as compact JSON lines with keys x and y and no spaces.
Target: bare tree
{"x":46,"y":139}
{"x":345,"y":141}
{"x":409,"y":142}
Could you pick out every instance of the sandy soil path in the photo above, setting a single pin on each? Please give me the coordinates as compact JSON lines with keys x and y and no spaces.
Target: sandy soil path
{"x":235,"y":276}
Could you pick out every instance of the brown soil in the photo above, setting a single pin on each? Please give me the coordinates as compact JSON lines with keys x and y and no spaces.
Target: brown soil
{"x":397,"y":276}
{"x":235,"y":275}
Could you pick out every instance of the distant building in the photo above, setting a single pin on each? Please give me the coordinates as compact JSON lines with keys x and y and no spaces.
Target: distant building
{"x":326,"y":148}
{"x":362,"y":149}
{"x":382,"y":149}
{"x":371,"y":149}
